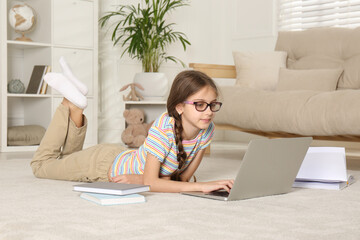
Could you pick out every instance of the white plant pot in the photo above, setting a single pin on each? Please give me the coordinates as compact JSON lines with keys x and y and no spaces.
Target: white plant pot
{"x":155,"y":85}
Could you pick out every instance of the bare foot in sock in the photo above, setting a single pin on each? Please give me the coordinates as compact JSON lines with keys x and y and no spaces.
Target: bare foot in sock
{"x":68,"y":73}
{"x":60,"y":83}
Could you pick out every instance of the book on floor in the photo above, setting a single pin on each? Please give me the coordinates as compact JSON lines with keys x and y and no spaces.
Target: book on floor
{"x":324,"y":185}
{"x":108,"y":199}
{"x":37,"y":76}
{"x":111,"y":188}
{"x":324,"y":168}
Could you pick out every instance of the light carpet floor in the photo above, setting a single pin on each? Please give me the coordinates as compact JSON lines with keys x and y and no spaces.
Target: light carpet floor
{"x":32,"y":208}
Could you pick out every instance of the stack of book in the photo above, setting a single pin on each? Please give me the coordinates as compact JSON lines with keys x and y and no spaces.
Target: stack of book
{"x":324,"y":168}
{"x":37,"y":85}
{"x":109,"y":193}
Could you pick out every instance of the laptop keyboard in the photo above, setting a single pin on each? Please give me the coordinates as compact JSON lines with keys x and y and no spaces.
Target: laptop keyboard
{"x":219,"y":193}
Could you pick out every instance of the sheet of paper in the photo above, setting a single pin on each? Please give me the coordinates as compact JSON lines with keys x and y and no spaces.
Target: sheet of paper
{"x":324,"y":164}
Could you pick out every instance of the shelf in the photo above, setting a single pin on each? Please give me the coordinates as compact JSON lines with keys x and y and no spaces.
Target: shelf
{"x":67,"y":28}
{"x":21,"y":148}
{"x":26,"y":45}
{"x":28,"y":95}
{"x":72,"y":47}
{"x":57,"y":95}
{"x":151,"y":109}
{"x":146,"y":102}
{"x":23,"y":45}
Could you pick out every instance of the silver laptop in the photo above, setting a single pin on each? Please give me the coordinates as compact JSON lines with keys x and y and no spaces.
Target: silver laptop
{"x":269,"y":167}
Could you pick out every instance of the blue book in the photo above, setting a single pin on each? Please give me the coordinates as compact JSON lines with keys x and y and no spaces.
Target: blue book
{"x":108,"y":199}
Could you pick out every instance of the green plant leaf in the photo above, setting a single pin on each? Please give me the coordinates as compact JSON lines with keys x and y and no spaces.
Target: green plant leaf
{"x":144,"y":33}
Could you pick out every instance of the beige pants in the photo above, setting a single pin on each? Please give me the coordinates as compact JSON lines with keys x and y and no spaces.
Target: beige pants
{"x":60,"y":155}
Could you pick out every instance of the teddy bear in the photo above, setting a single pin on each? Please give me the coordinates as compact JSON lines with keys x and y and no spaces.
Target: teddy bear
{"x":136,"y":131}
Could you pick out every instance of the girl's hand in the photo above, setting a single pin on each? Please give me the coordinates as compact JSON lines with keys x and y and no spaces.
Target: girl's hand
{"x":128,"y":178}
{"x":217,"y":185}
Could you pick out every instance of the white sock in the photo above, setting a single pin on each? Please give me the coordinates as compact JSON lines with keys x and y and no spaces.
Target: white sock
{"x":60,"y":83}
{"x":68,"y":73}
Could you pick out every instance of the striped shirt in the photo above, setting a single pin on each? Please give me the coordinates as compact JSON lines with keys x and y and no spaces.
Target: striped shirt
{"x":161,"y":143}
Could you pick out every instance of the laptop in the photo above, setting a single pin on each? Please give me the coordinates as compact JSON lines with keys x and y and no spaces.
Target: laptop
{"x":269,"y":167}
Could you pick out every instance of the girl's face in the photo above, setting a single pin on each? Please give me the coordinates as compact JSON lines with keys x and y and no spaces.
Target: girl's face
{"x":192,"y":119}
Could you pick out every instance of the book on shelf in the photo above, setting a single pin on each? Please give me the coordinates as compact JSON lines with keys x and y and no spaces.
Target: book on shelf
{"x":111,"y":188}
{"x":36,"y":78}
{"x":324,"y":168}
{"x":108,"y":199}
{"x":44,"y":85}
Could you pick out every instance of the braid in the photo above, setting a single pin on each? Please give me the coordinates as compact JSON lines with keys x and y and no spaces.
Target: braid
{"x":181,"y":156}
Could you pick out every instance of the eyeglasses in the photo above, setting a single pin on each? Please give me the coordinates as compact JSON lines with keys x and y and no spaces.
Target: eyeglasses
{"x":202,"y":106}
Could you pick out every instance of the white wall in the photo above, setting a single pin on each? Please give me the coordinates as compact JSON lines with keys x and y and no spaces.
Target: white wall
{"x":214,"y":28}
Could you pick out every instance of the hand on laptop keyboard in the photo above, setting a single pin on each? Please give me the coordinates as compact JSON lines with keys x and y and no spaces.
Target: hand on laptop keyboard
{"x":217,"y":185}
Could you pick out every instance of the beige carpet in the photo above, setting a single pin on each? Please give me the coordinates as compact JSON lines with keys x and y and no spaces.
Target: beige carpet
{"x":32,"y":208}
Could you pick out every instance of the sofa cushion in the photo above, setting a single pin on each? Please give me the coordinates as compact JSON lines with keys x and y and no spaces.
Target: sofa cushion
{"x":299,"y":112}
{"x":309,"y":79}
{"x":259,"y":70}
{"x":324,"y":48}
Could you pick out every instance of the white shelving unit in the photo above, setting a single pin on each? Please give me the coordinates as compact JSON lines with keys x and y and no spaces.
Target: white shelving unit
{"x":152,"y":109}
{"x":66,"y":28}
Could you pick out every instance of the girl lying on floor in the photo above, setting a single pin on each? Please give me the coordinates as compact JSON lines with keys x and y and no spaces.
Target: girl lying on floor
{"x":166,"y":161}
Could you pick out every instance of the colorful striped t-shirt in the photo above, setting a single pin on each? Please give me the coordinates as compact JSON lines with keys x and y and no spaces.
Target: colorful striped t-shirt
{"x":161,"y":143}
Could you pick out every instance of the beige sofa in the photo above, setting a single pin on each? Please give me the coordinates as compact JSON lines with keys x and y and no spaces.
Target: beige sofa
{"x":330,"y":115}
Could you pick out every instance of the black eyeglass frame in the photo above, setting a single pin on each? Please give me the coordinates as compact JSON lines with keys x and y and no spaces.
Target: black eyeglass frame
{"x":207,"y":105}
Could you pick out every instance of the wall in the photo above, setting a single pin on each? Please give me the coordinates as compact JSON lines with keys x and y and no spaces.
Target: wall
{"x":215,"y":28}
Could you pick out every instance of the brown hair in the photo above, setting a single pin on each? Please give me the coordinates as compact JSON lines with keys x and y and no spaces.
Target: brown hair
{"x":185,"y":84}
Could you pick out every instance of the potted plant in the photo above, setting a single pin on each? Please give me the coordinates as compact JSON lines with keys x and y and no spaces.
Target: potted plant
{"x":145,"y":33}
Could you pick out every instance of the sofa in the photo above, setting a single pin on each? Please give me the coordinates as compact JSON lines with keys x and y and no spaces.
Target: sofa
{"x":314,"y":91}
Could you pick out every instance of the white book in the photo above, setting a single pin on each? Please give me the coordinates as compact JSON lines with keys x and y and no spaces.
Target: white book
{"x":324,"y":168}
{"x":111,"y":188}
{"x":107,"y":199}
{"x":324,"y":185}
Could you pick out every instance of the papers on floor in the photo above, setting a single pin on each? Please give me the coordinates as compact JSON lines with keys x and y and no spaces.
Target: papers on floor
{"x":324,"y":168}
